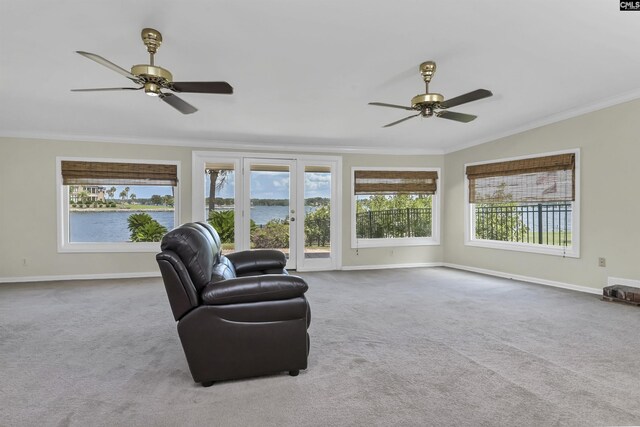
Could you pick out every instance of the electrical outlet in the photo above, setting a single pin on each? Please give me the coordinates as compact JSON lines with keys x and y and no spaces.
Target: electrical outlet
{"x":602,"y":262}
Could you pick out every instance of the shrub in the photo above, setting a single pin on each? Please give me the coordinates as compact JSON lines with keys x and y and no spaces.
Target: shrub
{"x":144,"y":228}
{"x":274,"y":234}
{"x":223,"y":222}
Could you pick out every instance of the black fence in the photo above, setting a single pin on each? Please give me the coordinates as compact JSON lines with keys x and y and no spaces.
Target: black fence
{"x":394,"y":223}
{"x":545,"y":224}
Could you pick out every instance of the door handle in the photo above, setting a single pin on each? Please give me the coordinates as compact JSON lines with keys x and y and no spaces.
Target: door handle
{"x":293,"y":219}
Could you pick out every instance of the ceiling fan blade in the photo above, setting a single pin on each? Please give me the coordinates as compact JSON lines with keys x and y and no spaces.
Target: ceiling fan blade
{"x":100,"y":60}
{"x":467,"y":97}
{"x":104,"y":89}
{"x":458,"y":117}
{"x":382,"y":104}
{"x":177,"y":103}
{"x":401,"y":120}
{"x":202,"y":87}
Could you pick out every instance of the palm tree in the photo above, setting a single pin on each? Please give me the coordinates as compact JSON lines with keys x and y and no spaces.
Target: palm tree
{"x":123,"y":195}
{"x":218,"y":179}
{"x":111,"y":192}
{"x":83,"y":196}
{"x":133,"y":197}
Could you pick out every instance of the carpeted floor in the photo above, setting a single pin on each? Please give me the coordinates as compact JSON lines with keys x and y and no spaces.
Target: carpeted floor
{"x":406,"y":347}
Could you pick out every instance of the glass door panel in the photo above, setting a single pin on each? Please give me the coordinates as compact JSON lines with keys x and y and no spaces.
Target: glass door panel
{"x":317,"y":208}
{"x":220,"y":202}
{"x":270,"y":212}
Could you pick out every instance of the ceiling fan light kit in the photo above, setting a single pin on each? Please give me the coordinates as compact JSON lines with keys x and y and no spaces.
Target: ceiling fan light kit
{"x":154,"y":79}
{"x":429,"y":104}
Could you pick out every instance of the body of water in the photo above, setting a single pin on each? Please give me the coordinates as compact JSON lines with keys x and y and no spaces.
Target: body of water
{"x":108,"y":226}
{"x":111,"y":226}
{"x":263,"y":214}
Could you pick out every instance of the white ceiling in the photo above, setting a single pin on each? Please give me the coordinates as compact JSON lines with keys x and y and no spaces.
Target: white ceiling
{"x":303,"y":71}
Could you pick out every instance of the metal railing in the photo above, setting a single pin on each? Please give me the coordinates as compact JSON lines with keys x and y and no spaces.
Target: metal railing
{"x":394,"y":223}
{"x":544,"y":224}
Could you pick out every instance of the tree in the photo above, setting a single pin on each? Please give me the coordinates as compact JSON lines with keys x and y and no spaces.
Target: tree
{"x":499,"y":221}
{"x":218,"y":178}
{"x":394,"y":216}
{"x":317,"y":227}
{"x":124,"y":193}
{"x":133,"y":197}
{"x":83,"y":196}
{"x":111,"y":192}
{"x":157,"y":199}
{"x":168,"y":200}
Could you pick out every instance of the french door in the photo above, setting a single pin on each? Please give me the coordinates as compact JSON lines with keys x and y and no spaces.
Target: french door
{"x":272,"y":202}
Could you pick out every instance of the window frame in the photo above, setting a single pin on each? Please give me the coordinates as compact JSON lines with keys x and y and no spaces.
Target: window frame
{"x":572,"y":251}
{"x":62,"y":210}
{"x":434,"y":240}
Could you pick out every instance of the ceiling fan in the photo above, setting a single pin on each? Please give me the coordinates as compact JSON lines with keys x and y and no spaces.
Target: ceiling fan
{"x":154,"y":79}
{"x":429,"y":104}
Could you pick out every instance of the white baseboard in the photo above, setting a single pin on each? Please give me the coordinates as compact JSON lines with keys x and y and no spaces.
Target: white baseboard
{"x":385,"y":266}
{"x":625,"y":282}
{"x":527,"y":279}
{"x":24,"y":279}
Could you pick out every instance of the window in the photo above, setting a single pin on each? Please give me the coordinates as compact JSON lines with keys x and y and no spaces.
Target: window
{"x":526,"y":204}
{"x":115,"y":206}
{"x":394,"y":207}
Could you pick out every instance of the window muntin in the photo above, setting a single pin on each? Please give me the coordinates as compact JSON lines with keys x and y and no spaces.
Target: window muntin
{"x":394,"y":207}
{"x":525,"y":204}
{"x":113,"y":206}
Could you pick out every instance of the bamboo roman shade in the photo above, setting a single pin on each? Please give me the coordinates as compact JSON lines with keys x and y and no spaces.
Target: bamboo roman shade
{"x":534,"y":180}
{"x":106,"y":173}
{"x":395,"y":182}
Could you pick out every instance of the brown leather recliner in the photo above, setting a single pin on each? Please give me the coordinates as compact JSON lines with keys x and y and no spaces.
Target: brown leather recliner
{"x":239,"y":315}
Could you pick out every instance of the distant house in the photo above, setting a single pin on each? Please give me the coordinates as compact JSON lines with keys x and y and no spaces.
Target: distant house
{"x":92,"y":193}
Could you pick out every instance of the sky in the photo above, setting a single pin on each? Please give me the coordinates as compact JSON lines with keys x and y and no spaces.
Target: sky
{"x":275,"y":185}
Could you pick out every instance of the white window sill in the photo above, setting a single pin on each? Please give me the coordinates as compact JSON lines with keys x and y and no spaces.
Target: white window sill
{"x":563,"y":251}
{"x":109,"y":247}
{"x":382,"y":243}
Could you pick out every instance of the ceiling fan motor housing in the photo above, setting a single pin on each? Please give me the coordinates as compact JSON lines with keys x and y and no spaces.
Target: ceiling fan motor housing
{"x":154,"y":78}
{"x":426,"y":99}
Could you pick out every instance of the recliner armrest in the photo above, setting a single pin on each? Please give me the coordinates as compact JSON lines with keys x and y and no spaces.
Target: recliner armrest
{"x":257,"y":261}
{"x":253,"y":289}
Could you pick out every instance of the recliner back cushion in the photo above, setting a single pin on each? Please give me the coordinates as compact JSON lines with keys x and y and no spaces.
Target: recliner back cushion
{"x":195,"y":251}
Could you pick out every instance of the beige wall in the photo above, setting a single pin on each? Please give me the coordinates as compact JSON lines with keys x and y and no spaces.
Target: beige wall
{"x":388,"y":255}
{"x":609,"y":141}
{"x":29,"y":221}
{"x":610,"y":206}
{"x":28,"y":209}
